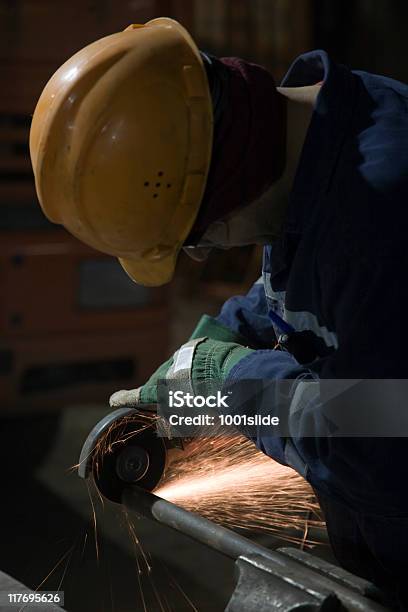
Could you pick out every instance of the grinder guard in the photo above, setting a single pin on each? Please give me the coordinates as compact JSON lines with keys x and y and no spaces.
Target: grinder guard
{"x":116,"y":454}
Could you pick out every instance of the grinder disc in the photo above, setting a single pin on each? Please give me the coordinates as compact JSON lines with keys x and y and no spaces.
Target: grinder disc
{"x":131,"y":453}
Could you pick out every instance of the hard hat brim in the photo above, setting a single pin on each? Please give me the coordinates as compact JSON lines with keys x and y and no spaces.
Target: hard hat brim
{"x":151,"y":273}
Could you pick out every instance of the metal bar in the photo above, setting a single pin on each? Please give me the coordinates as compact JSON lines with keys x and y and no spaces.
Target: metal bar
{"x":284,"y":572}
{"x":219,"y":538}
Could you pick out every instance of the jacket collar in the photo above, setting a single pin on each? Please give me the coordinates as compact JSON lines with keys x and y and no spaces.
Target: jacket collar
{"x":324,"y":138}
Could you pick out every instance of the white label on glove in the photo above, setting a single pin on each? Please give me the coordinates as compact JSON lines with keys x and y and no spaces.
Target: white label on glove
{"x":184,"y":359}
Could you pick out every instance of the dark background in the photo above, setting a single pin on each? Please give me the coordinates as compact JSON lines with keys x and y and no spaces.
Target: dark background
{"x":73,"y":328}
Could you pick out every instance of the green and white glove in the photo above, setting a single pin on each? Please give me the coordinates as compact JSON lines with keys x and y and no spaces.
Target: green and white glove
{"x":213,"y":350}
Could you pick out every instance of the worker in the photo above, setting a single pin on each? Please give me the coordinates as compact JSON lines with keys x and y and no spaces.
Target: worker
{"x":143,"y":146}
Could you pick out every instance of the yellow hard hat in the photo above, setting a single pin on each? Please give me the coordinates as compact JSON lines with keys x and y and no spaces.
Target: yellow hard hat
{"x":121,"y":142}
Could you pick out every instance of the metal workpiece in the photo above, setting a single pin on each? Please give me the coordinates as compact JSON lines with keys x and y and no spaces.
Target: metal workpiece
{"x":334,"y":572}
{"x":283,"y":580}
{"x":260,"y":587}
{"x":225,"y":541}
{"x":299,"y":581}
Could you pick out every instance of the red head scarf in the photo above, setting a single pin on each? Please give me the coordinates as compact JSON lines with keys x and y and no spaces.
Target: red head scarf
{"x":249,"y":139}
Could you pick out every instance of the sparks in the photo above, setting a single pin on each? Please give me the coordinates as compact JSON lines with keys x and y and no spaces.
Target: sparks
{"x":227,"y":480}
{"x":230,"y":482}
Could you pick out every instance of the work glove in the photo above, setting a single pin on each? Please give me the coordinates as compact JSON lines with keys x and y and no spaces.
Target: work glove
{"x":198,"y":361}
{"x":209,"y":328}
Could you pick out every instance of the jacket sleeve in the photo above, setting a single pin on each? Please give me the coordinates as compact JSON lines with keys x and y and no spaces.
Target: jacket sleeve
{"x":247,"y":316}
{"x":365,"y":469}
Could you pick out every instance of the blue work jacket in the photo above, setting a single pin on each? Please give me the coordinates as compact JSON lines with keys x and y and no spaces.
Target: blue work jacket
{"x":337,"y":276}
